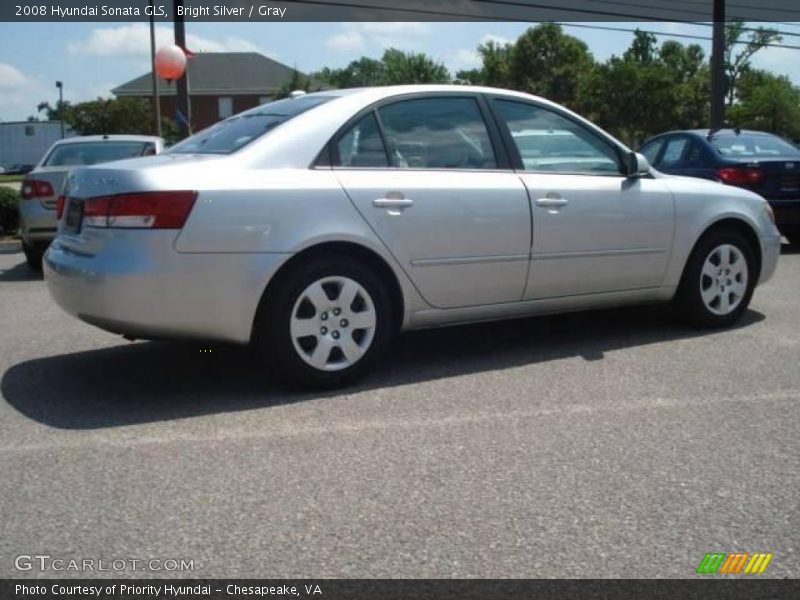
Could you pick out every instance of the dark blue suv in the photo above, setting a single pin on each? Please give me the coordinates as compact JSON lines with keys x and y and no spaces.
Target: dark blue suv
{"x":758,"y":161}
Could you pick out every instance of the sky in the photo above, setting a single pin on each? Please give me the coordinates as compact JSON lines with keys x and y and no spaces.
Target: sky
{"x":92,"y":58}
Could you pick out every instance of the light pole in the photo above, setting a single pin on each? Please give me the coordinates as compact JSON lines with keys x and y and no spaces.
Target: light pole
{"x":60,"y":86}
{"x":156,"y":102}
{"x":718,"y":67}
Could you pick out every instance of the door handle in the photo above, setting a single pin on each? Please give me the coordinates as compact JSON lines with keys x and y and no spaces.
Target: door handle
{"x":551,"y":202}
{"x":392,"y":202}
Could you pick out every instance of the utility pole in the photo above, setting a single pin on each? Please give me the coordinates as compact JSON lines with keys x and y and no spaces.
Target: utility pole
{"x":60,"y":86}
{"x":718,"y":67}
{"x":182,"y":85}
{"x":156,"y":101}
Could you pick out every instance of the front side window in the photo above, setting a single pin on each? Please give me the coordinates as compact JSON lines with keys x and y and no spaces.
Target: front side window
{"x":437,"y":133}
{"x":232,"y":134}
{"x":547,"y":141}
{"x":92,"y":153}
{"x":362,"y":145}
{"x":651,"y":150}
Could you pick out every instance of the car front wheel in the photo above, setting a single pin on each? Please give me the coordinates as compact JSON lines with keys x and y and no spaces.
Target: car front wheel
{"x":718,"y":280}
{"x":326,"y":322}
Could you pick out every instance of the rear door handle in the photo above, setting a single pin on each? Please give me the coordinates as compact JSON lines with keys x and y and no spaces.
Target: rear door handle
{"x":551,"y":202}
{"x":394,"y":202}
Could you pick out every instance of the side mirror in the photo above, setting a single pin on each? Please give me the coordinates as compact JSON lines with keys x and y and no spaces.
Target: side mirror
{"x":636,"y":165}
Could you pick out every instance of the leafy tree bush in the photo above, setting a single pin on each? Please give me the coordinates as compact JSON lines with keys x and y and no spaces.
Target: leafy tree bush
{"x":9,"y":210}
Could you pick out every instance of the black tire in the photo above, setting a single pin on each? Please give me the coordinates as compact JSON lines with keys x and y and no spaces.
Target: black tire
{"x":272,"y":331}
{"x":33,"y":255}
{"x":689,"y":302}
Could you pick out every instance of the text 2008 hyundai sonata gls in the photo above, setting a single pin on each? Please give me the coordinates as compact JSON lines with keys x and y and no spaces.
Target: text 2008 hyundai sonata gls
{"x":319,"y":226}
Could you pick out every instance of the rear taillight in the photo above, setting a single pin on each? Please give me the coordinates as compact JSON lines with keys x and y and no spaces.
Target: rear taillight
{"x":36,"y":188}
{"x":145,"y":210}
{"x":60,"y":207}
{"x":740,"y":175}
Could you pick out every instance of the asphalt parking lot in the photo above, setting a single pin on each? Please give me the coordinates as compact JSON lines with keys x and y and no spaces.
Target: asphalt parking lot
{"x":607,"y":444}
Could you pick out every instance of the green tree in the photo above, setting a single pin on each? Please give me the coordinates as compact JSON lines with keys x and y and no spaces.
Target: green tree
{"x":495,"y":67}
{"x":739,"y":63}
{"x":112,"y":115}
{"x":649,"y":89}
{"x":767,"y":102}
{"x":359,"y":73}
{"x":411,"y":67}
{"x":550,"y":63}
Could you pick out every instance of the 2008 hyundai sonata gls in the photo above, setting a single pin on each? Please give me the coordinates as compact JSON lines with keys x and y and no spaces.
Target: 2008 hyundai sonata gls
{"x":319,"y":226}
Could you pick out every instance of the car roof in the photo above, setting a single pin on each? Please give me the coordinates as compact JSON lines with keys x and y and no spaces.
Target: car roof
{"x":703,"y":133}
{"x":380,"y":92}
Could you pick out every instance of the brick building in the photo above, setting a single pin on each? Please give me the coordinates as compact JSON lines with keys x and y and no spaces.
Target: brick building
{"x":220,"y":84}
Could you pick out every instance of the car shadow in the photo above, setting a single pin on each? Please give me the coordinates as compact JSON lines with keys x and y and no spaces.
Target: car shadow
{"x":788,"y":249}
{"x":20,"y":272}
{"x":158,"y":381}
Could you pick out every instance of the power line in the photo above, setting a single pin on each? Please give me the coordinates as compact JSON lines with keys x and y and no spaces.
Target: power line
{"x":440,"y":13}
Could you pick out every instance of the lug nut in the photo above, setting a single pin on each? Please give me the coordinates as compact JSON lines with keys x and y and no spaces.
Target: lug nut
{"x":324,"y":316}
{"x":336,"y":312}
{"x":324,"y":330}
{"x":335,"y":335}
{"x":344,"y":323}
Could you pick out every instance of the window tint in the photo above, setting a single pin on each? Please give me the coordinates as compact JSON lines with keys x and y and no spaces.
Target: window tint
{"x":674,"y":151}
{"x":362,"y":145}
{"x":437,"y":133}
{"x":651,"y":150}
{"x":92,"y":153}
{"x":232,"y":134}
{"x":752,"y":145}
{"x":546,"y":141}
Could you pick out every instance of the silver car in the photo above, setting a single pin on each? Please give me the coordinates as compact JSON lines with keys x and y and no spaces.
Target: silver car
{"x":42,"y":186}
{"x":317,"y":227}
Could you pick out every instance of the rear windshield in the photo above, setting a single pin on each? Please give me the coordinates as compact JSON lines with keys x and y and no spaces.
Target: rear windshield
{"x":748,"y":145}
{"x":92,"y":153}
{"x":232,"y":134}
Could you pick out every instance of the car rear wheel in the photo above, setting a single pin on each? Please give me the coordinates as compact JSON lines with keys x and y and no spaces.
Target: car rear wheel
{"x":718,"y":280}
{"x":33,"y":255}
{"x":326,"y":322}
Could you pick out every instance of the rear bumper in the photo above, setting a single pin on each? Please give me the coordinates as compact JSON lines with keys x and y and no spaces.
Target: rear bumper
{"x":37,"y":224}
{"x":136,"y":284}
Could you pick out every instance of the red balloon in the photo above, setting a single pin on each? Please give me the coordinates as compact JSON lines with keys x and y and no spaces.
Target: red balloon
{"x":170,"y":62}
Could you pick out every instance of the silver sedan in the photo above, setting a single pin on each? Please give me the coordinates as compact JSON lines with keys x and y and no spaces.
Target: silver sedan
{"x":318,"y":226}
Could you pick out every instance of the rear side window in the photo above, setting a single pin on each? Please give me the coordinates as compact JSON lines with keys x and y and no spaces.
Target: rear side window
{"x":232,"y":134}
{"x":92,"y":153}
{"x":362,"y":145}
{"x":437,"y":133}
{"x":547,"y":141}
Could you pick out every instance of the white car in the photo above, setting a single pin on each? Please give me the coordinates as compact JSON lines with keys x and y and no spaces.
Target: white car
{"x":319,"y":226}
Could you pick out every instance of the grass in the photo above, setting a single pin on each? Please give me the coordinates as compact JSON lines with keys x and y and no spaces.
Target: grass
{"x":11,"y":178}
